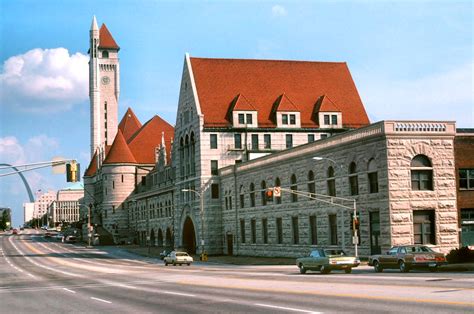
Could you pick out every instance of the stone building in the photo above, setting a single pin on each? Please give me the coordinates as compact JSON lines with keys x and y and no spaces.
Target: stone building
{"x":401,"y":175}
{"x":464,"y":152}
{"x":65,"y":209}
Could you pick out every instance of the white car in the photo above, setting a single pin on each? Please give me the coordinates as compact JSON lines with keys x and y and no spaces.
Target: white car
{"x":178,"y":258}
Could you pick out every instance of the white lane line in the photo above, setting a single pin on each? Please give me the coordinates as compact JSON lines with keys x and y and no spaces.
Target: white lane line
{"x":31,"y":275}
{"x":101,"y":300}
{"x":125,"y":286}
{"x":178,"y":293}
{"x":69,"y":290}
{"x":286,"y":308}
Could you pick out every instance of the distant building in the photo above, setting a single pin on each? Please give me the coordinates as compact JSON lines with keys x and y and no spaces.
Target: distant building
{"x":28,"y":211}
{"x":42,"y":202}
{"x":65,"y":209}
{"x":464,"y":151}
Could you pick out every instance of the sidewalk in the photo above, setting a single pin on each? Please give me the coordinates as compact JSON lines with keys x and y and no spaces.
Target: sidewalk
{"x":252,"y":260}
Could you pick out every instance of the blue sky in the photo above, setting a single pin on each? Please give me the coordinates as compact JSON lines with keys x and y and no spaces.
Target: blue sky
{"x":409,"y":60}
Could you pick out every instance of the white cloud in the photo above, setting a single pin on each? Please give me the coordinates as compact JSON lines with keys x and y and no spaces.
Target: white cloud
{"x":441,"y":96}
{"x":44,"y":80}
{"x":278,"y":11}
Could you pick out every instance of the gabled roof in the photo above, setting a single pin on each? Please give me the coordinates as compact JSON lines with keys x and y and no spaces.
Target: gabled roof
{"x":129,"y":124}
{"x":106,"y":40}
{"x":92,"y":168}
{"x":262,"y":81}
{"x":241,"y":103}
{"x":325,"y":104}
{"x":119,"y":151}
{"x":283,"y":103}
{"x":143,"y":143}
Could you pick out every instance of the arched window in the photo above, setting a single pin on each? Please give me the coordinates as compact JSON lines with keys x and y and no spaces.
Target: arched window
{"x":252,"y":195}
{"x":331,"y":182}
{"x":105,"y":54}
{"x":193,"y":155}
{"x":242,"y":197}
{"x":373,"y":177}
{"x":353,"y":179}
{"x":311,"y":184}
{"x":181,"y":156}
{"x":294,"y":188}
{"x":186,"y":154}
{"x":421,"y":173}
{"x":263,"y":185}
{"x":278,"y":183}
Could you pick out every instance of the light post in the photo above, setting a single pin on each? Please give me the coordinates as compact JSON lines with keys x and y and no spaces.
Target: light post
{"x":355,"y":239}
{"x":89,"y":229}
{"x":201,"y":213}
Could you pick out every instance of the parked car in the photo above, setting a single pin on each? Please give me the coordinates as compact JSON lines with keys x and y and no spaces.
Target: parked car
{"x":178,"y":258}
{"x":164,"y":253}
{"x":48,"y":235}
{"x":408,"y":257}
{"x":326,"y":260}
{"x":15,"y":231}
{"x":59,"y":236}
{"x":70,"y":239}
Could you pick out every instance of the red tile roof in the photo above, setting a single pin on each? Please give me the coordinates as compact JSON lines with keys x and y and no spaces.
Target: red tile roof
{"x":325,"y":104}
{"x":119,"y":151}
{"x":242,"y":104}
{"x":92,"y":169}
{"x":106,"y":40}
{"x":218,"y":81}
{"x":129,"y":124}
{"x":283,"y":103}
{"x":143,"y":143}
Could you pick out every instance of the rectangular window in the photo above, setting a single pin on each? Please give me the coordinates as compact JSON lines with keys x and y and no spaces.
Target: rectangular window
{"x":313,"y":230}
{"x":241,"y":118}
{"x":334,"y":119}
{"x":249,"y":118}
{"x":333,"y":229}
{"x":242,"y":200}
{"x":238,"y":161}
{"x":113,"y":209}
{"x":466,"y":179}
{"x":373,"y":183}
{"x":143,"y":180}
{"x":289,"y":140}
{"x":255,"y":141}
{"x":296,"y":231}
{"x":292,"y":119}
{"x":253,"y":229}
{"x":279,"y":229}
{"x":326,"y":119}
{"x":422,"y":180}
{"x":213,"y":141}
{"x":242,"y":231}
{"x":354,"y":184}
{"x":331,"y":187}
{"x":214,"y":167}
{"x":310,"y":138}
{"x":265,"y":230}
{"x":267,"y":140}
{"x":324,"y":136}
{"x":284,"y":119}
{"x":423,"y":227}
{"x":238,"y":141}
{"x":215,"y":190}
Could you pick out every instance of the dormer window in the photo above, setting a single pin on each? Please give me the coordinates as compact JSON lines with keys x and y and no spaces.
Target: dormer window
{"x":243,"y":112}
{"x":105,"y":54}
{"x":245,"y":119}
{"x":284,"y":119}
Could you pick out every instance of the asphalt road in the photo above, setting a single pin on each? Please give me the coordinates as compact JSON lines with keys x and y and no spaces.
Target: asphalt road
{"x":47,"y":276}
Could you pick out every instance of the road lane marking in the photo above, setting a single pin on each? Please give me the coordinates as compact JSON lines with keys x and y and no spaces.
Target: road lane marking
{"x":69,"y":290}
{"x":286,"y":308}
{"x":178,"y":293}
{"x":101,"y":300}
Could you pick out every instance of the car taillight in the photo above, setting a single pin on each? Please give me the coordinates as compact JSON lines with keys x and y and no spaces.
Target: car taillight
{"x":440,"y":258}
{"x":332,"y":262}
{"x":357,"y":260}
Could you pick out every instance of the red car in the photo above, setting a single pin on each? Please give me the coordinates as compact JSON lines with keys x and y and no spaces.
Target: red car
{"x":15,"y":231}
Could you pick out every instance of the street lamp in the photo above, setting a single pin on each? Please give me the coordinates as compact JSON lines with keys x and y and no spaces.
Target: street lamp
{"x":355,"y":239}
{"x":89,"y":231}
{"x":201,"y":212}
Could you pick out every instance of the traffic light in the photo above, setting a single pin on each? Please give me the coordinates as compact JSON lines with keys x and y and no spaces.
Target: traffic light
{"x":269,"y":195}
{"x":73,"y":172}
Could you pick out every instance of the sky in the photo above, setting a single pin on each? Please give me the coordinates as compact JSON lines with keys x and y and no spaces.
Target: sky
{"x":410,"y":60}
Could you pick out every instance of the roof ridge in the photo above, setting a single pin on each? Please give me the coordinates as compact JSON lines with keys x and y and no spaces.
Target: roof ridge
{"x":270,"y":60}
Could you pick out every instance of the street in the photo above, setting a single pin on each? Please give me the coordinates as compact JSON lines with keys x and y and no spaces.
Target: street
{"x":44,"y":275}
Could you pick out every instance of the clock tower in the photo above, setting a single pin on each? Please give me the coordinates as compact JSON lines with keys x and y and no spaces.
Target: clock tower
{"x":104,"y":86}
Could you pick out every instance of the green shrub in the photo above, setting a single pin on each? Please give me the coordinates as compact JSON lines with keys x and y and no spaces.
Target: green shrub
{"x":462,"y":255}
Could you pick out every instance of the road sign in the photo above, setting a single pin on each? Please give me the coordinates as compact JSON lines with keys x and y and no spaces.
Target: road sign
{"x":277,"y":191}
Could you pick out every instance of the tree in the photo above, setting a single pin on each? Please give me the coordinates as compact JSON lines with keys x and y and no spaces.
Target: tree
{"x":3,"y":221}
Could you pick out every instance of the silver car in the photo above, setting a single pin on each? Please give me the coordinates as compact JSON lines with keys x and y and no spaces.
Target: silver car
{"x":178,"y":258}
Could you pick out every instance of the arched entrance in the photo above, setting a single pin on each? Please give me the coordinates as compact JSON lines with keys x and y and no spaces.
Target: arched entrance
{"x":189,"y":236}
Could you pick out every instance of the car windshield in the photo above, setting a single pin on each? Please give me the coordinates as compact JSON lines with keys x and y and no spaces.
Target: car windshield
{"x":334,"y":253}
{"x":419,"y":249}
{"x":181,"y":254}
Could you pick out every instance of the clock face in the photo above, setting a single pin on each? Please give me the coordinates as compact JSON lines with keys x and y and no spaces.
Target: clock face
{"x":105,"y":80}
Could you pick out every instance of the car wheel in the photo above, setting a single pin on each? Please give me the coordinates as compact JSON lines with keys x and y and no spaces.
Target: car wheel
{"x":433,"y":269}
{"x":403,"y":267}
{"x":174,"y":263}
{"x":189,"y":264}
{"x":348,"y":270}
{"x":166,"y":263}
{"x":377,"y":267}
{"x":324,"y":270}
{"x":302,"y":269}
